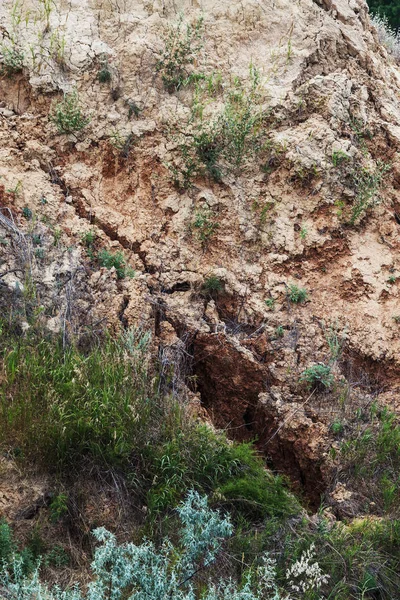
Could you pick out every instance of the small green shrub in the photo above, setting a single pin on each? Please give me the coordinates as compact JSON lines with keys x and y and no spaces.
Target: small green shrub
{"x":182,"y":43}
{"x":27,"y":213}
{"x":367,"y":184}
{"x":11,"y":59}
{"x":67,"y":115}
{"x":318,"y":376}
{"x":208,"y":147}
{"x":338,"y":157}
{"x":58,"y":507}
{"x":104,"y":74}
{"x":296,"y":294}
{"x":204,"y":460}
{"x":303,"y":232}
{"x":36,"y":239}
{"x":57,"y":557}
{"x":109,"y":260}
{"x":88,"y":238}
{"x":204,"y":224}
{"x":213,"y":285}
{"x":337,"y":428}
{"x":226,"y":142}
{"x":270,"y":302}
{"x":133,"y":109}
{"x":7,"y":545}
{"x":241,"y":121}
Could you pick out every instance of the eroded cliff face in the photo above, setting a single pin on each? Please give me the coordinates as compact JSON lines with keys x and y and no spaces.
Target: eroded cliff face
{"x":329,"y":96}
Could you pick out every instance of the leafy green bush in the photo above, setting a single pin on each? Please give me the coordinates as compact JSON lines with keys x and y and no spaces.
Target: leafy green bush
{"x":67,"y":115}
{"x":241,"y":121}
{"x":337,"y":427}
{"x":223,"y":143}
{"x":256,"y":496}
{"x":318,"y":376}
{"x":58,"y":507}
{"x":204,"y":224}
{"x":296,"y":294}
{"x":339,"y":157}
{"x":213,"y":285}
{"x":11,"y":59}
{"x":109,"y":260}
{"x":201,"y":459}
{"x":182,"y":43}
{"x":367,"y":184}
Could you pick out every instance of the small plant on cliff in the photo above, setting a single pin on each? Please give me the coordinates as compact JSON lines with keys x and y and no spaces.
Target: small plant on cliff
{"x":296,"y":294}
{"x":58,"y":507}
{"x":104,"y":75}
{"x":204,"y":224}
{"x":67,"y":115}
{"x":109,"y":260}
{"x":213,"y":285}
{"x":338,"y":157}
{"x":367,"y":184}
{"x":88,"y":238}
{"x":182,"y":43}
{"x":225,"y":141}
{"x":11,"y":59}
{"x":241,"y":121}
{"x":318,"y":375}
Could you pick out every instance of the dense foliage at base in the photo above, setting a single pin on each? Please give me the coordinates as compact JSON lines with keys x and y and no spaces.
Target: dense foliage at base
{"x":107,"y":404}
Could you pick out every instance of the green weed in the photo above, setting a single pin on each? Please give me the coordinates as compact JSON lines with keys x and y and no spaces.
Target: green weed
{"x":367,"y":184}
{"x":296,"y":294}
{"x":104,"y":74}
{"x":182,"y":44}
{"x":213,"y":285}
{"x":270,"y":302}
{"x":109,"y":260}
{"x":318,"y":375}
{"x":338,"y":157}
{"x":11,"y":59}
{"x":204,"y":224}
{"x":68,"y":116}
